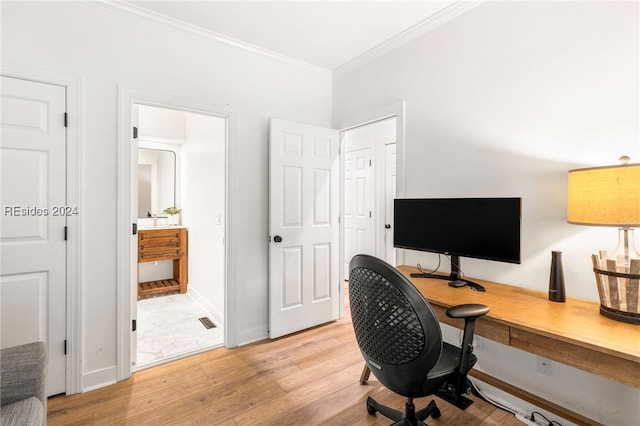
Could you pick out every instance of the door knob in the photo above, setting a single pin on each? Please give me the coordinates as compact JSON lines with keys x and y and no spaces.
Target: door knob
{"x":277,"y":239}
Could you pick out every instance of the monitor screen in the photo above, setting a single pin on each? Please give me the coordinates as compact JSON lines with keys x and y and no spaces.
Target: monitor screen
{"x":482,"y":228}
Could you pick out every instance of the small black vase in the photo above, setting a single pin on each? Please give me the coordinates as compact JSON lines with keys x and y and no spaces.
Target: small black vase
{"x":556,"y":278}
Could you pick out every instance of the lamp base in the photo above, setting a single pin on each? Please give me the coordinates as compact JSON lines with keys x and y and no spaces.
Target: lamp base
{"x":628,"y":317}
{"x":618,"y":285}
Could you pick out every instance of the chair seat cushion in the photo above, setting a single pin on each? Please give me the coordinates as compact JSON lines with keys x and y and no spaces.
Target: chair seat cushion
{"x":29,"y":411}
{"x":448,"y":362}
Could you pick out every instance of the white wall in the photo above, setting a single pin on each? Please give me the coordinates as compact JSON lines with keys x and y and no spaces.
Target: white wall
{"x":107,"y":49}
{"x":161,"y":123}
{"x":203,"y":201}
{"x":503,"y":101}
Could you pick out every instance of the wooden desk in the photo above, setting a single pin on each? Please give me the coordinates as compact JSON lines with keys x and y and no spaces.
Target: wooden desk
{"x":573,"y":333}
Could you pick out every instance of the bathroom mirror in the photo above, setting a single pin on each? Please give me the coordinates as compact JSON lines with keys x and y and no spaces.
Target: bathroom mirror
{"x":156,"y":181}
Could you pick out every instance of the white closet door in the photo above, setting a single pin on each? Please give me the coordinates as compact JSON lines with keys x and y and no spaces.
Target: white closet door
{"x":32,"y":236}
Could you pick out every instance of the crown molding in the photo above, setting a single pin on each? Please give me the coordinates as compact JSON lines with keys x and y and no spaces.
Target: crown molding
{"x":419,"y":29}
{"x":134,"y":11}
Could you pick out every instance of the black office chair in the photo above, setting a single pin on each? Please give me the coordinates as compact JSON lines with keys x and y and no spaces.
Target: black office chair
{"x":401,"y":342}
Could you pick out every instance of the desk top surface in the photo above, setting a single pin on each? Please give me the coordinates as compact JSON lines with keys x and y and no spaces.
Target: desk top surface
{"x":575,"y":321}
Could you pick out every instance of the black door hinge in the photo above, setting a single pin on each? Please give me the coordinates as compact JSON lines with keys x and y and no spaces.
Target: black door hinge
{"x":65,"y":233}
{"x":66,"y":120}
{"x":65,"y":346}
{"x":134,"y":325}
{"x":134,"y":228}
{"x":135,"y":132}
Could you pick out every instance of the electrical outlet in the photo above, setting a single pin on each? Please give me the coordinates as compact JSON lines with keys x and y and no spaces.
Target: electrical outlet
{"x":544,"y":366}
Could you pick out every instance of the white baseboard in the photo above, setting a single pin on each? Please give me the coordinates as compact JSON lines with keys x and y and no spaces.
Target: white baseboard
{"x":251,"y":336}
{"x":98,"y":379}
{"x":210,"y":310}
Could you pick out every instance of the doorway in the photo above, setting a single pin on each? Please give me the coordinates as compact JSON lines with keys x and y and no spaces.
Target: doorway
{"x":181,"y":164}
{"x":369,"y":190}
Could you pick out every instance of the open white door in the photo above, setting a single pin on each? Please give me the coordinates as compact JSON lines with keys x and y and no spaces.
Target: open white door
{"x":303,"y":227}
{"x":33,"y":233}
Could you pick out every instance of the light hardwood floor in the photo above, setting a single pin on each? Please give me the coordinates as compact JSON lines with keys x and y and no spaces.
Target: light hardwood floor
{"x":309,"y":378}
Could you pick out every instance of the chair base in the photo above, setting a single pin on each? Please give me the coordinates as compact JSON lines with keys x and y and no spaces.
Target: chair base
{"x":410,"y":417}
{"x":462,"y":402}
{"x":454,"y":397}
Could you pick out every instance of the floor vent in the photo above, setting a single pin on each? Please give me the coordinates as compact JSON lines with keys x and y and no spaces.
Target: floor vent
{"x":207,"y":323}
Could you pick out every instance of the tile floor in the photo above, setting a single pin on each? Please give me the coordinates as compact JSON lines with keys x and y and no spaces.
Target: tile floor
{"x":169,"y":328}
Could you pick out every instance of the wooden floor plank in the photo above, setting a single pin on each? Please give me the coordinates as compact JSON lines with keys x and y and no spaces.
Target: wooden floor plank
{"x":300,"y":397}
{"x":309,"y":377}
{"x":328,"y":407}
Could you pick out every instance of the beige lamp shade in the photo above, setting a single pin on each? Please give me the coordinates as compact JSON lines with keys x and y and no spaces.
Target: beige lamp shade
{"x":604,"y":196}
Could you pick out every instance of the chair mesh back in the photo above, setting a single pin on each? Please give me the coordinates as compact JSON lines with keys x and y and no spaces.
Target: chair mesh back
{"x":387,"y":328}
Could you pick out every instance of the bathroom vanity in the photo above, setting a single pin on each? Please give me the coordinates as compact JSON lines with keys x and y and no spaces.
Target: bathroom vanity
{"x":164,"y":243}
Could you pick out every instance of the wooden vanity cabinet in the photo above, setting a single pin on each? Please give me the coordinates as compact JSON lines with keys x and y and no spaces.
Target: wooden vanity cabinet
{"x":164,"y":244}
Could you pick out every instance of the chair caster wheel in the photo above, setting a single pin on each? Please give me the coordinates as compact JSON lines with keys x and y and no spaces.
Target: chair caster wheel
{"x":371,"y":410}
{"x":435,"y":414}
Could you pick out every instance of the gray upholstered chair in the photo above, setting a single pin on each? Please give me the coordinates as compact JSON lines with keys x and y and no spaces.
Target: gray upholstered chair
{"x":23,"y":384}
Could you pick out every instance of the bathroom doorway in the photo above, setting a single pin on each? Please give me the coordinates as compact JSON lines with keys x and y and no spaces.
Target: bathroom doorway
{"x":181,"y":169}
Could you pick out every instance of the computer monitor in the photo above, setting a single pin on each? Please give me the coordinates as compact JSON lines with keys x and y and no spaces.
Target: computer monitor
{"x":482,"y":228}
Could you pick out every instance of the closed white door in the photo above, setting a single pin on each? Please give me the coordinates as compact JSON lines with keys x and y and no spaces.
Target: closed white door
{"x":358,"y":204}
{"x":32,"y":240}
{"x":389,"y":196}
{"x":303,"y":227}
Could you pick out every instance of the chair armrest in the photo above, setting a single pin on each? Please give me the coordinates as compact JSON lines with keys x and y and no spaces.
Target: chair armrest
{"x":23,"y":370}
{"x":470,"y":310}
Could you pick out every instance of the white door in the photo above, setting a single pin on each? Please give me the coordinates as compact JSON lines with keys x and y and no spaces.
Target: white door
{"x":389,"y":196}
{"x":303,"y":227}
{"x":358,"y":204}
{"x":32,"y":239}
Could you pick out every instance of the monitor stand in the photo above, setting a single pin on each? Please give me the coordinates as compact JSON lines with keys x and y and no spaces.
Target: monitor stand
{"x":455,"y":277}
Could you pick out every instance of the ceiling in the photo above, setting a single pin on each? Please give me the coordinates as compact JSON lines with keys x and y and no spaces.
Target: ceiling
{"x":326,"y":34}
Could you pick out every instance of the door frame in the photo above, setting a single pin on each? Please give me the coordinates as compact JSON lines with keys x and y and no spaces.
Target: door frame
{"x":125,"y":151}
{"x":380,"y":196}
{"x":395,"y":109}
{"x":74,"y":177}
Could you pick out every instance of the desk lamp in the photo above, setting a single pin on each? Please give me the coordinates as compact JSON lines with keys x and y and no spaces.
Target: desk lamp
{"x":610,"y":196}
